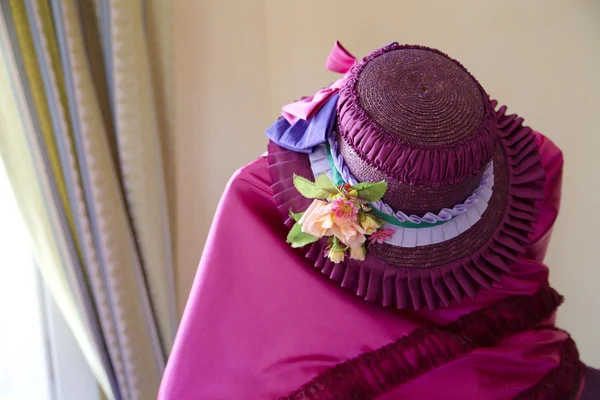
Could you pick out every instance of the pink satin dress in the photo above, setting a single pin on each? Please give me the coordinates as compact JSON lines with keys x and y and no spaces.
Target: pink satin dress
{"x":261,"y":321}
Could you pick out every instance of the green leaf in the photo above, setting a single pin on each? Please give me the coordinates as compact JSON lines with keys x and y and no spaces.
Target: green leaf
{"x":308,"y":189}
{"x":323,"y":182}
{"x":371,"y":192}
{"x":296,"y":216}
{"x":367,"y":185}
{"x":297,"y":238}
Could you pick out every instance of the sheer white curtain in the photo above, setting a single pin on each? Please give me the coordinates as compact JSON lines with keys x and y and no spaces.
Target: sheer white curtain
{"x":23,"y":357}
{"x":39,"y":356}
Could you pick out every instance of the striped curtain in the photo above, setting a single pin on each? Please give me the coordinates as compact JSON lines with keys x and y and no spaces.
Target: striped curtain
{"x":85,"y":93}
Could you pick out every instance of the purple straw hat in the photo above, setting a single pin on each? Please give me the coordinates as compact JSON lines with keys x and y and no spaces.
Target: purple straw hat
{"x":463,"y":177}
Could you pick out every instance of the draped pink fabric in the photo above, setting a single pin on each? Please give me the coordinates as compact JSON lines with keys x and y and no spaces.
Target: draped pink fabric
{"x":261,"y":321}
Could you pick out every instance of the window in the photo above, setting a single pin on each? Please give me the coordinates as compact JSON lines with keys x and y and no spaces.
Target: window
{"x":39,"y":358}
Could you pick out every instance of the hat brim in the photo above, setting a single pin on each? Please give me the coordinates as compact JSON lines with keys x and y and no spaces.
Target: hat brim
{"x":435,"y":274}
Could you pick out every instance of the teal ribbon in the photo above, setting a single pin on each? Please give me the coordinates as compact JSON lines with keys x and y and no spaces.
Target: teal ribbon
{"x":338,"y":181}
{"x":337,"y":177}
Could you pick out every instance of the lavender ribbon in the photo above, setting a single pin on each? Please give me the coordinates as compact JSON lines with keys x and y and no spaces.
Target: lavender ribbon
{"x":304,"y":135}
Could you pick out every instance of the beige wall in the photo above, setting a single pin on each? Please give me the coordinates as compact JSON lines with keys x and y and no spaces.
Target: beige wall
{"x":237,"y":62}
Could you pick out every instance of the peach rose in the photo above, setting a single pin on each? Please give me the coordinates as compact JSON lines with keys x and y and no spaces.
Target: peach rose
{"x":317,"y":219}
{"x":348,"y":232}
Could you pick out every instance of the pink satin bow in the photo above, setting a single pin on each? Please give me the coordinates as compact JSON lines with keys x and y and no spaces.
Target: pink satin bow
{"x":340,"y":60}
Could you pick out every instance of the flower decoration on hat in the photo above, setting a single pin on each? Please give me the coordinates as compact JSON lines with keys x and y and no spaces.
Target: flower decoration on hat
{"x":340,"y":213}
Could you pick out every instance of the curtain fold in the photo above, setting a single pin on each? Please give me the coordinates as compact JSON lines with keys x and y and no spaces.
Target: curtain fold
{"x":81,"y":140}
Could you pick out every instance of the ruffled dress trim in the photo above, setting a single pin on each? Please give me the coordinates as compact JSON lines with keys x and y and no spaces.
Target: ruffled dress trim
{"x":563,"y":382}
{"x":376,"y":372}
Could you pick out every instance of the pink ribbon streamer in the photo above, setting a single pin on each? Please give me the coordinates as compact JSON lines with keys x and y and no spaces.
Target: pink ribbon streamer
{"x":339,"y":60}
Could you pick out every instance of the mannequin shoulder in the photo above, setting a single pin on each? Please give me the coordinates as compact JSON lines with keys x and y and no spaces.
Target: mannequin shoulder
{"x":252,"y":176}
{"x":550,"y":153}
